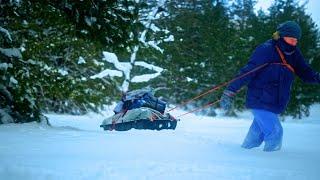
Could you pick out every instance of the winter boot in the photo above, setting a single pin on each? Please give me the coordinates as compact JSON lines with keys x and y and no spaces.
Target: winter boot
{"x":254,"y":137}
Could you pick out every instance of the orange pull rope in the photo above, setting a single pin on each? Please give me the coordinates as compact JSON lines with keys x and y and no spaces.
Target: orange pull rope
{"x":219,"y":86}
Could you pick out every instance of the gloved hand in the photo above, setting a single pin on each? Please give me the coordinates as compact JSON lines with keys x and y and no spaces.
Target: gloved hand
{"x":226,"y":101}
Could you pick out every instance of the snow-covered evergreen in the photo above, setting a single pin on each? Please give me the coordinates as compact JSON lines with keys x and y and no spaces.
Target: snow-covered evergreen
{"x":124,"y":70}
{"x":147,"y":17}
{"x":17,"y":104}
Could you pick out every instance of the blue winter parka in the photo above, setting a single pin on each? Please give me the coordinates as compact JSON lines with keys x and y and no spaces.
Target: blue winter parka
{"x":269,"y":87}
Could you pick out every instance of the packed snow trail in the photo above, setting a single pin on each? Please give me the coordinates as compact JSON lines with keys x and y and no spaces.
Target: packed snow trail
{"x":200,"y":148}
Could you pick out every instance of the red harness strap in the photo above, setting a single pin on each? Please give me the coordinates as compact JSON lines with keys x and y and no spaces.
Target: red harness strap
{"x":284,"y":61}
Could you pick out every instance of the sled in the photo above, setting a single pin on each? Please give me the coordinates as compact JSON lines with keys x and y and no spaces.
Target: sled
{"x":139,"y":118}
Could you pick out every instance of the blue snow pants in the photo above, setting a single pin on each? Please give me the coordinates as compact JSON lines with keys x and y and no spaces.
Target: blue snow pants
{"x":265,"y":127}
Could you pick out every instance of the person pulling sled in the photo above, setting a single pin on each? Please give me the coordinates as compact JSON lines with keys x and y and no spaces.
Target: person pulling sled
{"x":269,"y":88}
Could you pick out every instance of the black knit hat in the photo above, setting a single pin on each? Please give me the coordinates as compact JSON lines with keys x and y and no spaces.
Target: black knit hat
{"x":289,"y":29}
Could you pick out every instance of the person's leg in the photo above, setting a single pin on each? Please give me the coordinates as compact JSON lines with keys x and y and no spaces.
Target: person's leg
{"x":273,"y":141}
{"x":254,"y":136}
{"x":271,"y":127}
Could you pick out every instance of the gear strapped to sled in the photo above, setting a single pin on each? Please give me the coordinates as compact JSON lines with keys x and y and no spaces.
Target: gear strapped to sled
{"x":140,"y":109}
{"x":140,"y":98}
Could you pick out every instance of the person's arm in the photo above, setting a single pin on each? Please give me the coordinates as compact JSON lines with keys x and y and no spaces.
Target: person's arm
{"x":258,"y":58}
{"x":304,"y":71}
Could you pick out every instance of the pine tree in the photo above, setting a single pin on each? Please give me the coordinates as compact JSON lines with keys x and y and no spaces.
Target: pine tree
{"x":18,"y":102}
{"x":203,"y":45}
{"x":141,"y":59}
{"x":109,"y":22}
{"x":61,"y":52}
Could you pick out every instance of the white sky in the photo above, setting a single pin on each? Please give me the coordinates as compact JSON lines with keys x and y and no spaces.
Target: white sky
{"x":312,"y":8}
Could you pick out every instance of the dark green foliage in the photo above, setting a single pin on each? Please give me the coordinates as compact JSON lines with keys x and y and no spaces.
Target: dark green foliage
{"x":49,"y":75}
{"x":18,"y":103}
{"x":109,"y":22}
{"x":201,"y":50}
{"x":54,"y":48}
{"x":212,"y":41}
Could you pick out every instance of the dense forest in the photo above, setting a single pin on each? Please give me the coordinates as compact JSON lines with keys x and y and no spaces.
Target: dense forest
{"x":51,"y":50}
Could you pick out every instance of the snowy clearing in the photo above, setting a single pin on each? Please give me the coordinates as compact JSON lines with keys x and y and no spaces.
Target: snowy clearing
{"x":200,"y":148}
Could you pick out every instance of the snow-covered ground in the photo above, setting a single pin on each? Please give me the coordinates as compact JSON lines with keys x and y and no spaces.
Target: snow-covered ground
{"x":200,"y":148}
